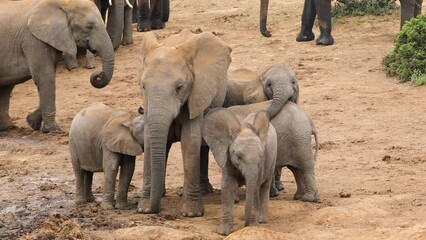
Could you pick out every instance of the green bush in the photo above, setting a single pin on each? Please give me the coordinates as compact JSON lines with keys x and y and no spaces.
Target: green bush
{"x":407,"y":61}
{"x":363,"y":7}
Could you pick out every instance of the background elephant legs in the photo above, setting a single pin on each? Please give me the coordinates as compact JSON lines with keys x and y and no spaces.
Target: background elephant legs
{"x":127,"y":168}
{"x":127,"y":31}
{"x":149,"y":15}
{"x":205,"y":185}
{"x":143,"y":15}
{"x":311,"y":8}
{"x":115,"y":23}
{"x":5,"y":120}
{"x":410,"y":9}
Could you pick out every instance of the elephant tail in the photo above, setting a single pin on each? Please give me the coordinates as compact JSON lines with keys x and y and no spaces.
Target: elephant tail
{"x":315,"y":133}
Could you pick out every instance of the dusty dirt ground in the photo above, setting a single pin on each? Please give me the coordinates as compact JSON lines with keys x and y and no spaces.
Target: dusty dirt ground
{"x":372,"y":129}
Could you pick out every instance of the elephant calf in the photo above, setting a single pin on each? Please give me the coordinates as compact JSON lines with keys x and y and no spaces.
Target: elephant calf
{"x":102,"y":139}
{"x":246,"y":150}
{"x":294,"y":129}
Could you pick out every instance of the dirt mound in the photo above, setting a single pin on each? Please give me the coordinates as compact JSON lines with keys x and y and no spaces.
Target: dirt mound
{"x":254,"y":233}
{"x":154,"y":233}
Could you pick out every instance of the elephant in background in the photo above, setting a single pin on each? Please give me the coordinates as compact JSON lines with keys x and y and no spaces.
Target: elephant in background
{"x":152,"y":14}
{"x":410,"y":9}
{"x":294,"y":129}
{"x":34,"y":34}
{"x":246,"y":151}
{"x":180,"y":79}
{"x":102,"y":139}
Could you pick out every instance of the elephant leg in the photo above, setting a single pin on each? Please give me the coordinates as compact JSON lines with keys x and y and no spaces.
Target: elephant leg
{"x":407,"y":10}
{"x":88,"y":179}
{"x":165,"y":13}
{"x":43,"y":74}
{"x":205,"y":185}
{"x":310,"y":194}
{"x":278,"y":184}
{"x":323,"y":8}
{"x":135,"y":13}
{"x":127,"y":168}
{"x":111,"y":162}
{"x":143,"y":16}
{"x":156,"y":10}
{"x":90,"y":60}
{"x":70,"y":61}
{"x":418,"y":7}
{"x":191,"y":145}
{"x":308,"y":19}
{"x":228,"y":186}
{"x":300,"y":181}
{"x":5,"y":120}
{"x":127,"y":31}
{"x":264,"y":201}
{"x":115,"y":23}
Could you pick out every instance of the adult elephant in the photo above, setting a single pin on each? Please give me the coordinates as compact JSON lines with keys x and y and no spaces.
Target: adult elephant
{"x":152,"y":14}
{"x":34,"y":34}
{"x":180,"y":79}
{"x":410,"y":9}
{"x":119,"y":22}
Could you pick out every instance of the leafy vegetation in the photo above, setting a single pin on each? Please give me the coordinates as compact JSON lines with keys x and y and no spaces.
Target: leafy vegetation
{"x":407,"y":61}
{"x":363,"y":7}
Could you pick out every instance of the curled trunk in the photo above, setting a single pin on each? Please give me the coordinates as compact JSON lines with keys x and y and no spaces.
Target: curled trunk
{"x":279,"y":99}
{"x":100,"y":43}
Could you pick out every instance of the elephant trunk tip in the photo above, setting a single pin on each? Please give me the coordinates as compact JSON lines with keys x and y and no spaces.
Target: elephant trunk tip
{"x":99,"y":79}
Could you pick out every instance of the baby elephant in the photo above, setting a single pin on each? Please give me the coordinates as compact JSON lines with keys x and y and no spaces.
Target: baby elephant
{"x":246,"y":151}
{"x":102,"y":139}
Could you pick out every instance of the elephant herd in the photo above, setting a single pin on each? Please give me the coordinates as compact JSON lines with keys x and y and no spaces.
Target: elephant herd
{"x":251,"y":122}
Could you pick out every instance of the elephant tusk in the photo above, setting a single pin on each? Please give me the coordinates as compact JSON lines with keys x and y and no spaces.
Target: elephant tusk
{"x":110,"y":2}
{"x":128,"y":4}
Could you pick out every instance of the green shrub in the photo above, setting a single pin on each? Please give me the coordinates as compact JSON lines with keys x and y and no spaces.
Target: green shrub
{"x":407,"y":61}
{"x":363,"y":7}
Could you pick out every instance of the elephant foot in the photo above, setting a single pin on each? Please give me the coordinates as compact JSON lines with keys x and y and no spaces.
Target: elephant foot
{"x":34,"y":120}
{"x":325,"y":39}
{"x":80,"y":201}
{"x":224,"y":229}
{"x":273,"y":192}
{"x":122,"y":205}
{"x":157,"y":24}
{"x":70,"y":62}
{"x":309,"y":197}
{"x":144,"y":26}
{"x":107,"y":206}
{"x":206,"y":187}
{"x":126,"y":40}
{"x":90,"y":62}
{"x":305,"y":36}
{"x":298,"y":195}
{"x":6,"y":124}
{"x":51,"y":128}
{"x":143,"y":208}
{"x":279,"y":185}
{"x":193,"y":208}
{"x":90,"y":198}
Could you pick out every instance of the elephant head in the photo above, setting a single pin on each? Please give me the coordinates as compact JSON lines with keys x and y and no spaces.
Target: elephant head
{"x":124,"y":135}
{"x":65,"y":24}
{"x":278,"y":83}
{"x":177,"y":78}
{"x":240,"y":144}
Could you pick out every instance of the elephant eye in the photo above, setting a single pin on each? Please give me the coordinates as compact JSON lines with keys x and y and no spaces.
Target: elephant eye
{"x":179,"y":87}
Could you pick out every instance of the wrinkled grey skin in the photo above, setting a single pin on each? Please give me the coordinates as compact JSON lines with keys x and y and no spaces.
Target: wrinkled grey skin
{"x":33,"y":36}
{"x":103,"y":139}
{"x":180,"y":78}
{"x":246,"y":151}
{"x":294,"y":129}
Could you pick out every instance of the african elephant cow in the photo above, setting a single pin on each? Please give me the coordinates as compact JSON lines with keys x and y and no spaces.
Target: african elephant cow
{"x":246,"y":150}
{"x":179,"y":80}
{"x":102,"y":139}
{"x":34,"y":34}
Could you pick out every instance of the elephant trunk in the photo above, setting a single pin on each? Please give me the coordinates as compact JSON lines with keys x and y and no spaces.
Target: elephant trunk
{"x":263,"y":17}
{"x":159,"y":124}
{"x":100,"y":43}
{"x":279,"y":99}
{"x":115,"y":23}
{"x":252,"y":198}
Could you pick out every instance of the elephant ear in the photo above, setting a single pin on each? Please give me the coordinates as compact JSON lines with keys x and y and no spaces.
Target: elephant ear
{"x":261,"y":125}
{"x":254,"y":92}
{"x":117,"y":137}
{"x":219,"y":128}
{"x":209,"y":58}
{"x":48,"y":22}
{"x":149,"y":42}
